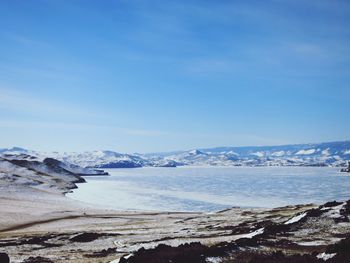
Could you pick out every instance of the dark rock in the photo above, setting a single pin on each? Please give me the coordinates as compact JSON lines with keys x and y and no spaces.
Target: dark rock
{"x":119,"y":164}
{"x":342,"y":250}
{"x":347,"y":169}
{"x":100,"y":172}
{"x":193,"y":252}
{"x":85,"y":237}
{"x":222,"y":248}
{"x":247,"y":242}
{"x":36,"y":240}
{"x":39,"y":240}
{"x":279,"y":257}
{"x":102,"y":253}
{"x":4,"y":258}
{"x":315,"y":212}
{"x":345,"y":211}
{"x":37,"y":260}
{"x":274,"y":229}
{"x":331,"y":204}
{"x":9,"y":243}
{"x":282,"y":243}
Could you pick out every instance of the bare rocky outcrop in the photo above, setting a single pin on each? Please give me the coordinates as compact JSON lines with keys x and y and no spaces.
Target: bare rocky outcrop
{"x":4,"y":258}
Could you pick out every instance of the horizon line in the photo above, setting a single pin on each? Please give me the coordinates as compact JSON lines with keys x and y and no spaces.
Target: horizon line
{"x":197,"y":148}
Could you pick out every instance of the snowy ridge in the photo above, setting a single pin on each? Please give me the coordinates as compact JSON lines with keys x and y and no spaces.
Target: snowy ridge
{"x":322,"y":154}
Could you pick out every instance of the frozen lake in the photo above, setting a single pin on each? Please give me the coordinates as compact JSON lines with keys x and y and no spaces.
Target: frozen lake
{"x":212,"y":188}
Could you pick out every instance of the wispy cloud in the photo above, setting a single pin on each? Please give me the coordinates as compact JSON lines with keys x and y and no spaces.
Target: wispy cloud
{"x":42,"y":71}
{"x":186,"y":140}
{"x":28,"y":41}
{"x":23,"y":102}
{"x":81,"y":127}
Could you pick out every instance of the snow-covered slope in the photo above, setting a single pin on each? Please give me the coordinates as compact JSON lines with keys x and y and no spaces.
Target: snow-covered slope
{"x":34,"y":158}
{"x":47,"y":175}
{"x":322,"y":154}
{"x":102,"y":159}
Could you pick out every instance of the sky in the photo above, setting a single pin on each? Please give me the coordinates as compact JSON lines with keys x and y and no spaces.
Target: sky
{"x":150,"y":76}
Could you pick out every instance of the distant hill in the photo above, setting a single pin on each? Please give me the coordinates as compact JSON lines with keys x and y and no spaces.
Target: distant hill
{"x":315,"y":154}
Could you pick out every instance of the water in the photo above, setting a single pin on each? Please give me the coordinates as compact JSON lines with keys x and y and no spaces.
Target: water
{"x":212,"y":188}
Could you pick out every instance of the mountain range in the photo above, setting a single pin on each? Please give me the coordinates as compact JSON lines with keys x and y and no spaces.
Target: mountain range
{"x":316,"y":154}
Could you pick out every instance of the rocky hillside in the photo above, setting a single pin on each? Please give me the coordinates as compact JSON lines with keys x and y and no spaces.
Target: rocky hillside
{"x":47,"y":174}
{"x":301,"y":234}
{"x":316,"y":235}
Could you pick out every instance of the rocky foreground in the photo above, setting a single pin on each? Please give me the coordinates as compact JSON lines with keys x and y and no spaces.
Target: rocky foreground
{"x":288,"y":234}
{"x":39,"y":224}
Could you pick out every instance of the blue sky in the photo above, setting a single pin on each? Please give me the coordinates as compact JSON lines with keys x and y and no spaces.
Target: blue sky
{"x":144,"y":76}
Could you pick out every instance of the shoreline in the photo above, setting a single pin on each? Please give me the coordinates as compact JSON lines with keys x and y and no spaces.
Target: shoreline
{"x":123,"y":185}
{"x":40,"y":224}
{"x":110,"y":235}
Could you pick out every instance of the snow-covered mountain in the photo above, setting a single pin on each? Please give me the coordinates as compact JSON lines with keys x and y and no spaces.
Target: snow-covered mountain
{"x":320,"y":154}
{"x":36,"y":160}
{"x":102,"y":159}
{"x":47,"y":174}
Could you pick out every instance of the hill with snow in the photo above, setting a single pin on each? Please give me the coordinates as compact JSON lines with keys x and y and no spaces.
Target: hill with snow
{"x":319,"y":154}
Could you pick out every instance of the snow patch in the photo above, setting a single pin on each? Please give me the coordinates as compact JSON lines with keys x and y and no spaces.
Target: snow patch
{"x":213,"y":260}
{"x":278,"y":154}
{"x":324,"y":256}
{"x":334,"y":212}
{"x":306,"y":152}
{"x":118,"y":259}
{"x":325,"y":152}
{"x":128,"y":256}
{"x":234,"y":153}
{"x":195,"y":152}
{"x":312,"y":243}
{"x":253,"y":234}
{"x":259,"y":154}
{"x":295,"y":219}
